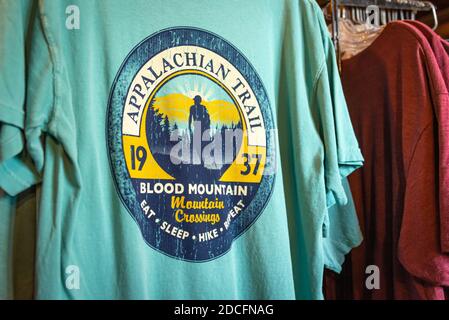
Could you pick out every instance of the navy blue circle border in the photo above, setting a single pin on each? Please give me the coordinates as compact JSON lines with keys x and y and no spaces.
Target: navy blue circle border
{"x":139,"y":55}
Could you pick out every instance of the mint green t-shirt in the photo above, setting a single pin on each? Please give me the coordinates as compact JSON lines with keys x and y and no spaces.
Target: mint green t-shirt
{"x":126,"y":115}
{"x":17,"y":213}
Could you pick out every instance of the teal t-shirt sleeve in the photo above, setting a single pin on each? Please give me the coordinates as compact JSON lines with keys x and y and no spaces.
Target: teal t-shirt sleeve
{"x":341,"y":231}
{"x":342,"y":151}
{"x":12,"y":78}
{"x":17,"y":174}
{"x":12,"y":62}
{"x":344,"y":232}
{"x":17,"y":166}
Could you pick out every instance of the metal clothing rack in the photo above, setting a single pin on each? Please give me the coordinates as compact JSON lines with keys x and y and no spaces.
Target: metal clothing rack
{"x":391,"y":10}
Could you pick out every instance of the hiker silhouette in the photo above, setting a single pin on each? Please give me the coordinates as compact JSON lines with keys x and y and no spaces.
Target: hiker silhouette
{"x":199,"y":123}
{"x":199,"y":117}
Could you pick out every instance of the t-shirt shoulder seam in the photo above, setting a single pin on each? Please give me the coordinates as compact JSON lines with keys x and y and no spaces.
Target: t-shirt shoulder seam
{"x":316,"y":80}
{"x":426,"y":127}
{"x":322,"y":64}
{"x":51,"y":46}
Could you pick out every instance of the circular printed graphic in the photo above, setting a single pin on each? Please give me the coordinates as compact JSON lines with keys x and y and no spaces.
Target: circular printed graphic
{"x":191,"y":143}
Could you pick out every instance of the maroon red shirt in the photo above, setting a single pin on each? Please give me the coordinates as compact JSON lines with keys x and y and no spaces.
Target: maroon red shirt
{"x":396,"y":93}
{"x":440,"y":49}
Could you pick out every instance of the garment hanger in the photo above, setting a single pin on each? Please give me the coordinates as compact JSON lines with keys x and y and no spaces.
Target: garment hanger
{"x":392,"y":9}
{"x":389,"y":10}
{"x":434,"y":13}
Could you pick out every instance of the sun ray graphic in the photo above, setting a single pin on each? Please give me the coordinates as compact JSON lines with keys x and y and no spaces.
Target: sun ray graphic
{"x":191,"y":88}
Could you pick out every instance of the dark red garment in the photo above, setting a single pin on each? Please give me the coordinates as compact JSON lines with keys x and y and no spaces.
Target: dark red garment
{"x":393,"y":89}
{"x":440,"y":49}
